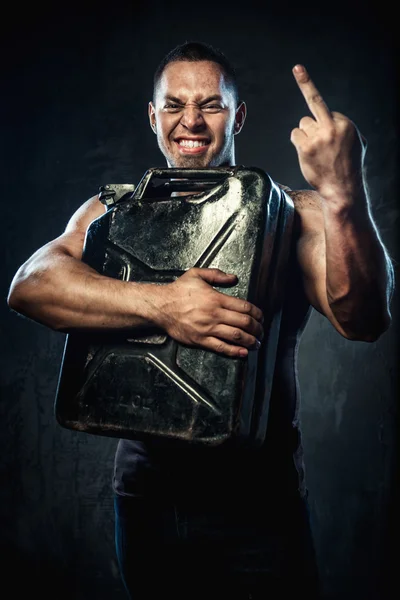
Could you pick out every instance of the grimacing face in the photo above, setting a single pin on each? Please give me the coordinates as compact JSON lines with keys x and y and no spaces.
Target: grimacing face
{"x":195,"y":115}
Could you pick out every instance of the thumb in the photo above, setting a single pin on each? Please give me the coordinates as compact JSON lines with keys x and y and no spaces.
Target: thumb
{"x":216,"y":276}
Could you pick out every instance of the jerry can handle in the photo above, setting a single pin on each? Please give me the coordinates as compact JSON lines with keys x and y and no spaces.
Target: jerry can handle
{"x":184,"y":179}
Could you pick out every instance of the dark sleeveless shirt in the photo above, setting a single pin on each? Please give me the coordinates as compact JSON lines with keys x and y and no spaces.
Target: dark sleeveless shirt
{"x":150,"y":469}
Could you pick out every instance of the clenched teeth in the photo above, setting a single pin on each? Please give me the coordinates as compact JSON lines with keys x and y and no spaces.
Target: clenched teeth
{"x":192,"y":144}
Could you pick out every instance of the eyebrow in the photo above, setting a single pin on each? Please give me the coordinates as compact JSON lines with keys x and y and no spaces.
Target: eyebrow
{"x":206,"y":101}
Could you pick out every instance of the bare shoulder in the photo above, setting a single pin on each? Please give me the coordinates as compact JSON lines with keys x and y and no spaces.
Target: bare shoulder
{"x":71,"y":241}
{"x":86,"y":213}
{"x":308,"y":211}
{"x":303,"y":199}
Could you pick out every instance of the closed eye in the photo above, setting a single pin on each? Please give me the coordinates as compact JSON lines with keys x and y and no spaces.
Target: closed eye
{"x":212,"y":107}
{"x":174,"y":107}
{"x":171,"y":106}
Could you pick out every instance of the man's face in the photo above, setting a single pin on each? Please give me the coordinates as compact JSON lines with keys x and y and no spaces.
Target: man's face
{"x":195,"y":116}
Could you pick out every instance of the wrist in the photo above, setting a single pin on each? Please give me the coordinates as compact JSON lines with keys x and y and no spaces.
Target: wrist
{"x":344,"y":193}
{"x":344,"y":201}
{"x":341,"y":212}
{"x":153,"y":303}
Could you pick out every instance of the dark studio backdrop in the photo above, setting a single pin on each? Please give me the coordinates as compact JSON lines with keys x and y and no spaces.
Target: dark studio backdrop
{"x":74,"y":99}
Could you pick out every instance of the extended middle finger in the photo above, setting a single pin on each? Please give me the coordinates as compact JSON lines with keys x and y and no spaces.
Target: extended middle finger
{"x":314,"y":100}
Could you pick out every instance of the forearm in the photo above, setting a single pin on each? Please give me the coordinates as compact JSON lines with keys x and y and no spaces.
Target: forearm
{"x":359,"y":273}
{"x":64,"y":293}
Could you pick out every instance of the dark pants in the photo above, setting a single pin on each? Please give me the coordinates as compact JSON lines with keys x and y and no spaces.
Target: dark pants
{"x":215,"y":549}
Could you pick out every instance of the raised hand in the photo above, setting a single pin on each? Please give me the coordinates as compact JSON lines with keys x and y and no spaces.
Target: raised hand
{"x":194,"y":313}
{"x":329,"y":146}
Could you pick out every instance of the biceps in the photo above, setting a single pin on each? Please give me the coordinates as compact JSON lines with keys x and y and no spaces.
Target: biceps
{"x":67,"y":244}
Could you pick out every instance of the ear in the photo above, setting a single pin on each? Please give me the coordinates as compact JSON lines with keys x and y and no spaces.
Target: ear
{"x":240,"y":117}
{"x":152,"y":117}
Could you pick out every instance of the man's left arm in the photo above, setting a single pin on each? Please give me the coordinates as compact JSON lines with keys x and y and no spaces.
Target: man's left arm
{"x":348,"y":275}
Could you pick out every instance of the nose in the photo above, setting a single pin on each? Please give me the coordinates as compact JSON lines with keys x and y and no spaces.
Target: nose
{"x":192,"y":118}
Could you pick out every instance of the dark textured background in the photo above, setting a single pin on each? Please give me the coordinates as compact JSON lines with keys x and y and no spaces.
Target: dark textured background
{"x":75,"y":87}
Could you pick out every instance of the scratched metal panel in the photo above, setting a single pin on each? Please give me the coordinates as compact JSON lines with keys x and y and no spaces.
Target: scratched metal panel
{"x":139,"y":384}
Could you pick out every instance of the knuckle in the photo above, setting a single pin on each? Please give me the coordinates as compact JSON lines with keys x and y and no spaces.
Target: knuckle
{"x":309,"y":149}
{"x":247,"y":321}
{"x":346,"y":124}
{"x":194,"y":338}
{"x":293,"y":138}
{"x":246,"y":306}
{"x":219,"y":347}
{"x":237,"y":334}
{"x":305,"y":121}
{"x":329,"y":135}
{"x":317,"y":98}
{"x":201,"y":331}
{"x":214,"y":313}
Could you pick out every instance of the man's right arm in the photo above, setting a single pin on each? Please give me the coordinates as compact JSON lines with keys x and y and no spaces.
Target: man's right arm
{"x":56,"y":288}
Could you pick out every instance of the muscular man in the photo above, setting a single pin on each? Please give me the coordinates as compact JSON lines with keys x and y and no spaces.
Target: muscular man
{"x":225,"y":523}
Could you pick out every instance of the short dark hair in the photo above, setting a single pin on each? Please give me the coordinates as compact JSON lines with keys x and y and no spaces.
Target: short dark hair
{"x":196,"y":52}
